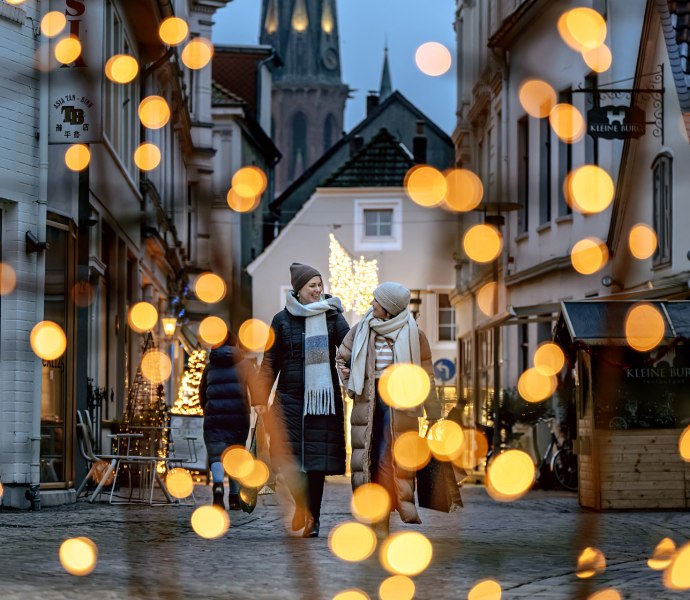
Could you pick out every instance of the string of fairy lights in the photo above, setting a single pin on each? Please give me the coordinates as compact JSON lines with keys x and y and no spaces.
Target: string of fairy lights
{"x":352,"y":280}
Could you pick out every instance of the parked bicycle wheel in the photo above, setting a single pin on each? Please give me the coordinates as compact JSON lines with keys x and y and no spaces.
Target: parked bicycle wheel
{"x":564,"y":467}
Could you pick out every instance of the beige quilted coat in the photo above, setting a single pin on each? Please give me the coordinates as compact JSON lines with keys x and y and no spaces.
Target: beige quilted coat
{"x":401,"y":421}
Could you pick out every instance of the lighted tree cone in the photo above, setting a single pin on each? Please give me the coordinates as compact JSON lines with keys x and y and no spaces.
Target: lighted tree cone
{"x":78,"y":556}
{"x":187,"y":402}
{"x":677,"y":574}
{"x":590,"y":562}
{"x":663,"y":554}
{"x":406,"y":553}
{"x":510,"y":475}
{"x":352,"y":542}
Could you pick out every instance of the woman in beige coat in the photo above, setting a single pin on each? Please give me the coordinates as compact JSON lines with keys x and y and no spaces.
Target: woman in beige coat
{"x":387,"y":334}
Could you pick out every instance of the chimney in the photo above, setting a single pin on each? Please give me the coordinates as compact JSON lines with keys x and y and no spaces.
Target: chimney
{"x":372,"y":101}
{"x":356,"y":144}
{"x":419,"y":144}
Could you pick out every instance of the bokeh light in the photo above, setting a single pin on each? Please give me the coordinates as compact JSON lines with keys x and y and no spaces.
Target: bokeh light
{"x":255,"y":335}
{"x":249,"y":182}
{"x":238,"y":462}
{"x":549,"y":359}
{"x":154,"y":112}
{"x":8,"y":279}
{"x":83,"y":293}
{"x":258,"y":475}
{"x":173,"y":31}
{"x":213,"y":330}
{"x":644,"y":327}
{"x":677,"y":574}
{"x":537,"y":98}
{"x":582,"y":28}
{"x":406,"y":553}
{"x":197,"y":53}
{"x":642,"y":241}
{"x":242,"y":204}
{"x":78,"y":556}
{"x":404,"y":386}
{"x":67,"y":50}
{"x":410,"y":451}
{"x":510,"y":475}
{"x":147,"y":156}
{"x":121,"y":68}
{"x":567,"y":123}
{"x":425,"y":185}
{"x":351,"y":594}
{"x":397,"y":587}
{"x":684,"y":444}
{"x":598,"y":59}
{"x":210,"y":288}
{"x":445,"y":439}
{"x":662,"y":555}
{"x":590,"y":563}
{"x":607,"y":594}
{"x":48,"y":340}
{"x":2,"y":490}
{"x":487,"y":297}
{"x":53,"y":23}
{"x":482,"y":243}
{"x":589,"y":255}
{"x":156,"y":366}
{"x":210,"y":521}
{"x":77,"y":157}
{"x":534,"y":386}
{"x":352,"y":541}
{"x":487,"y":589}
{"x":464,"y":190}
{"x":473,"y":451}
{"x":142,"y":317}
{"x":370,"y":503}
{"x":179,"y":483}
{"x":433,"y":59}
{"x":15,"y":2}
{"x":591,"y":189}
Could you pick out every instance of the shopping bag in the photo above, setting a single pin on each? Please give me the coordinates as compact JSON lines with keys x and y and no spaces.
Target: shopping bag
{"x":248,"y":496}
{"x":437,"y":488}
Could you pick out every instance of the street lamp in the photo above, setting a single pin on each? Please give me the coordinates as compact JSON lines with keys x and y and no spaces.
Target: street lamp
{"x":169,"y":325}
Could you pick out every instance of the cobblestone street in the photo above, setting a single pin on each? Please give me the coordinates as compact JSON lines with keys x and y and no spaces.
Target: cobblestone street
{"x":529,"y":546}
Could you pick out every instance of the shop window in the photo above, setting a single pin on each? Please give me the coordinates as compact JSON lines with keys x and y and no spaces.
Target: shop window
{"x":544,"y":171}
{"x":523,"y":174}
{"x":662,"y":180}
{"x":446,"y":318}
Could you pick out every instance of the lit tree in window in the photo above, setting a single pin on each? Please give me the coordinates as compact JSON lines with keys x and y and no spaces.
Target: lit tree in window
{"x":351,"y":280}
{"x":187,"y":402}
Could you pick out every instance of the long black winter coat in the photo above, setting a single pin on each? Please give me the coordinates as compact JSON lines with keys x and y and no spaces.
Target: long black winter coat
{"x":223,"y":397}
{"x":317,"y":442}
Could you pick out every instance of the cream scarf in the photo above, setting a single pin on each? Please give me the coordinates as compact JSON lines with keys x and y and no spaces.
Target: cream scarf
{"x":401,"y":330}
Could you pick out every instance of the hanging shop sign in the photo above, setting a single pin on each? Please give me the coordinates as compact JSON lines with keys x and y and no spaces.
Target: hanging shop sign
{"x":621,"y":113}
{"x":75,"y":114}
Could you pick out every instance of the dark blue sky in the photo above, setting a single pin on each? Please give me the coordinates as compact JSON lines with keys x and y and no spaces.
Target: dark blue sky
{"x":365,"y":25}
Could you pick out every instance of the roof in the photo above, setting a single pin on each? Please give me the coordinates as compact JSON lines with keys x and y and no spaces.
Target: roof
{"x":222,"y":97}
{"x":304,"y":179}
{"x":381,"y":163}
{"x":604,"y":322}
{"x":675,"y":23}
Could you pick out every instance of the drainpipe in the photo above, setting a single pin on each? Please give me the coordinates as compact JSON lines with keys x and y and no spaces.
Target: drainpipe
{"x":33,"y":494}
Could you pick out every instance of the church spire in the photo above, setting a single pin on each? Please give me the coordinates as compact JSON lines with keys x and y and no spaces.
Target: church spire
{"x":386,"y":88}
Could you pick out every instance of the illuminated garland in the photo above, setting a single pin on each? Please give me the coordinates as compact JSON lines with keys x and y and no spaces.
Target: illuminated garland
{"x":351,"y":280}
{"x":187,"y":402}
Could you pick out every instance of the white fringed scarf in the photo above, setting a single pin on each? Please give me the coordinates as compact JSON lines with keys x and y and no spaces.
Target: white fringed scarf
{"x":319,"y":398}
{"x":401,"y":330}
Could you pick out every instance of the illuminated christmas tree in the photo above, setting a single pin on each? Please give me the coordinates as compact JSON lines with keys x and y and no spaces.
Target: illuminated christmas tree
{"x":351,"y":280}
{"x":187,"y":402}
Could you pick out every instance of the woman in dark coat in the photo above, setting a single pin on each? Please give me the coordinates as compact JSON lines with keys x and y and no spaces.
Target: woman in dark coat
{"x":225,"y":402}
{"x":307,"y":430}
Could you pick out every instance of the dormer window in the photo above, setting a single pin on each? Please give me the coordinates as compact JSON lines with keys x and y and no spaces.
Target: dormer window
{"x":271,"y":22}
{"x":327,"y":21}
{"x":300,"y":19}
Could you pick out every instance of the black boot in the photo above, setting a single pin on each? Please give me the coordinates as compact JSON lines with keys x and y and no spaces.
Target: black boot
{"x":311,"y":528}
{"x":234,"y":502}
{"x":218,"y":495}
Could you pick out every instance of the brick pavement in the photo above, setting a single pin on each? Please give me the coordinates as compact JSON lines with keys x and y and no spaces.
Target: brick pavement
{"x":530,"y":546}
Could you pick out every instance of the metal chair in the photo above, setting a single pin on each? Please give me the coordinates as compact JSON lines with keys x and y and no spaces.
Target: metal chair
{"x":87,"y":453}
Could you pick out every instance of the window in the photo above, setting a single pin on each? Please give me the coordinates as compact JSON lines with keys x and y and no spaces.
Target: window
{"x":591,"y":144}
{"x":544,"y":171}
{"x":523,"y":347}
{"x":523,"y":174}
{"x":446,"y":318}
{"x":299,"y":145}
{"x":662,"y":169}
{"x":565,"y":161}
{"x":378,"y":223}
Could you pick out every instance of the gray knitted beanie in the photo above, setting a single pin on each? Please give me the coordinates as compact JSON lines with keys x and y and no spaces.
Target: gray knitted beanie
{"x":393,"y":297}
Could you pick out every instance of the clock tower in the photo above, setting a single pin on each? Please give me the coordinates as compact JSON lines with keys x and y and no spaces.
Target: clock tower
{"x":308,"y":93}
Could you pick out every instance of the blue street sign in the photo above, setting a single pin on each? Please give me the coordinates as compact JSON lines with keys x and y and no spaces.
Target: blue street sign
{"x":444,"y":369}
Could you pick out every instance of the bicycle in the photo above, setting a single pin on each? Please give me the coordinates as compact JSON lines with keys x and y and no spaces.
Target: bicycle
{"x":561,"y":463}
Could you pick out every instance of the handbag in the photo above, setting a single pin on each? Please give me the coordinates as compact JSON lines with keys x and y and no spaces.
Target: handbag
{"x":437,"y":488}
{"x":248,"y":496}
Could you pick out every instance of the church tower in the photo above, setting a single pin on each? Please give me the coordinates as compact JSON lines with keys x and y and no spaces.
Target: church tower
{"x":309,"y":96}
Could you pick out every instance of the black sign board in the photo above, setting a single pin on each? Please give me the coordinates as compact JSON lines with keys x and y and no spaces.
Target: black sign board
{"x":616,"y":122}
